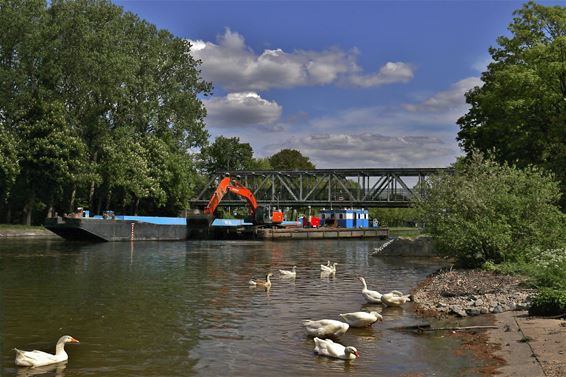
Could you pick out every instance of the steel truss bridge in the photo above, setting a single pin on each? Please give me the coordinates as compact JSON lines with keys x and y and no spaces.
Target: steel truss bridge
{"x":360,"y":188}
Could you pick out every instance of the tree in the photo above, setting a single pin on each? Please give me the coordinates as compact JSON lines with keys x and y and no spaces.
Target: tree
{"x":260,"y":164}
{"x":519,"y":113}
{"x":84,"y":74}
{"x":226,"y":154}
{"x":290,"y":159}
{"x":491,"y":212}
{"x":51,"y":157}
{"x":9,"y":164}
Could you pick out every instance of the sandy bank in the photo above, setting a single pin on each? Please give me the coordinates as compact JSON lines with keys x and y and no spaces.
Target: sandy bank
{"x":528,"y":346}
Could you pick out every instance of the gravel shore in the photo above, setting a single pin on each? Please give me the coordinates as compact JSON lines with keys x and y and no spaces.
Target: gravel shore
{"x":471,"y":292}
{"x":528,"y":346}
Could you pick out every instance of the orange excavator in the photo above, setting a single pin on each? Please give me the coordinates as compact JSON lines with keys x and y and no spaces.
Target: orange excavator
{"x":258,"y":215}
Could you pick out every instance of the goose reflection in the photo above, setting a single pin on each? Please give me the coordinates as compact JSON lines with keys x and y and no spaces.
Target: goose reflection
{"x":53,"y":370}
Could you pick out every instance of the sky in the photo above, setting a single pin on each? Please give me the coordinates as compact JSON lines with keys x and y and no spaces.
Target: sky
{"x":350,"y":84}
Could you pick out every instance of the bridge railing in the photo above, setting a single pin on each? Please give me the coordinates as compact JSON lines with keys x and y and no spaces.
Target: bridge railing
{"x":387,"y":187}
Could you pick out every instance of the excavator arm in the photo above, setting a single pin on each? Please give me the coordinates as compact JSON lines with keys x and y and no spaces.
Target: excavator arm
{"x":234,"y":187}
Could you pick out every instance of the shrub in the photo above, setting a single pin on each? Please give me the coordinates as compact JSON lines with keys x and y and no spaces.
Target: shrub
{"x":549,"y":302}
{"x":490,"y":212}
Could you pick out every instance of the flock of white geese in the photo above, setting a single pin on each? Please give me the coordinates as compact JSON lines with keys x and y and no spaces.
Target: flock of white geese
{"x":324,"y":329}
{"x":321,"y":329}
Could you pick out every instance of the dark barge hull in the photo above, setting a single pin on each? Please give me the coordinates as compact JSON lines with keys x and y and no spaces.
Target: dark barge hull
{"x":89,"y":229}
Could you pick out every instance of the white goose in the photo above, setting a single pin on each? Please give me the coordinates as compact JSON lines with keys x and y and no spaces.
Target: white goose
{"x":372,"y":297}
{"x":39,"y":358}
{"x":289,"y":274}
{"x":325,"y":327}
{"x":329,"y":269}
{"x":361,"y":319}
{"x":262,"y":283}
{"x":327,"y":347}
{"x":394,"y":298}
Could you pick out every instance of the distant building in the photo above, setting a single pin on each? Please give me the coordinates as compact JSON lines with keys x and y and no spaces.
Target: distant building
{"x":345,"y":218}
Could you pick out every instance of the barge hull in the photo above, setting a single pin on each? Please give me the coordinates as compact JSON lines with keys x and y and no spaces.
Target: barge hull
{"x":320,"y":233}
{"x":89,"y":229}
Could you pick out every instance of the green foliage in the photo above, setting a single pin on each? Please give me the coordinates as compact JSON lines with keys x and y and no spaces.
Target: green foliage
{"x":9,"y":162}
{"x":100,"y":106}
{"x":395,"y":217}
{"x":491,"y":212}
{"x":519,"y":112}
{"x":226,"y":154}
{"x":290,"y":159}
{"x":260,"y":164}
{"x":549,"y":302}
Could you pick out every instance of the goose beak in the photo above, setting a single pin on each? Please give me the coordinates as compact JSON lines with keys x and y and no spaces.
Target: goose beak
{"x":357,"y":354}
{"x":73,"y":340}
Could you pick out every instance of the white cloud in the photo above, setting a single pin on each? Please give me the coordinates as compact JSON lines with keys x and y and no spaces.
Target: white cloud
{"x":372,"y":150}
{"x":388,"y":74}
{"x":240,"y":110}
{"x":448,"y":99}
{"x":235,"y":66}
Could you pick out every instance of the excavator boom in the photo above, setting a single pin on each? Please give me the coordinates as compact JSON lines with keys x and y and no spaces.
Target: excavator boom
{"x":234,"y":187}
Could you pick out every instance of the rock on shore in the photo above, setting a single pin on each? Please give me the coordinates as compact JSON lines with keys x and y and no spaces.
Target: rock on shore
{"x":471,"y":292}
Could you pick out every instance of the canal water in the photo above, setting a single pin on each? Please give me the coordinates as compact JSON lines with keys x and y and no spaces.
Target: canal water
{"x":185,"y":309}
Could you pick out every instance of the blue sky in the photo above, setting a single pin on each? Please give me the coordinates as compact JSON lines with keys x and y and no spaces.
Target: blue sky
{"x":348,"y":83}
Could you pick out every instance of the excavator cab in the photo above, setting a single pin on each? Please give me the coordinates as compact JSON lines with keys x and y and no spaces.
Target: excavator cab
{"x":264,"y":216}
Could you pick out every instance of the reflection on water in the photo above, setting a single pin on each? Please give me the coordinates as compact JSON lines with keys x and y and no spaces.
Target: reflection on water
{"x":185,"y":308}
{"x":55,"y":370}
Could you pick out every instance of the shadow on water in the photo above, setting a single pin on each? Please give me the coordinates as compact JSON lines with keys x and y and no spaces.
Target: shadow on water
{"x":185,"y":308}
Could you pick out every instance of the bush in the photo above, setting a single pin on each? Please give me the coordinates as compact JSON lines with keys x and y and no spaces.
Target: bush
{"x":490,"y":212}
{"x":549,"y":302}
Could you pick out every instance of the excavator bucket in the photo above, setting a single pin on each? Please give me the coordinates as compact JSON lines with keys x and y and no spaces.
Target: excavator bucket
{"x":198,"y":225}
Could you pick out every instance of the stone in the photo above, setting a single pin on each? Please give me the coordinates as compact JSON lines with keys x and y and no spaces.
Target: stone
{"x":473,"y":311}
{"x":484,"y":310}
{"x":478,"y":302}
{"x":457,"y":309}
{"x":498,"y":309}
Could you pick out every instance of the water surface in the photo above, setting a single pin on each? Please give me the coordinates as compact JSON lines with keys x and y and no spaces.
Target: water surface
{"x":185,"y":309}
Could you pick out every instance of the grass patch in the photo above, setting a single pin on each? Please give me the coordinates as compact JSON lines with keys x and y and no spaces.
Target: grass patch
{"x":15,"y":228}
{"x":405,"y":232}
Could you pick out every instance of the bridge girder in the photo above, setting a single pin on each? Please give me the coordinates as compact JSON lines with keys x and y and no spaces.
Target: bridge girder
{"x":367,"y":188}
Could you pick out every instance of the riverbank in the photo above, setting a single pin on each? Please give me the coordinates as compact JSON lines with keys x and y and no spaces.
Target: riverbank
{"x":25,"y":231}
{"x":528,"y":346}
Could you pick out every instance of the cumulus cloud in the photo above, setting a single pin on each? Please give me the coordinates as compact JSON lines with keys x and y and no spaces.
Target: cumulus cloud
{"x":448,"y":99}
{"x":241,"y":110}
{"x":373,"y":150}
{"x":235,"y":66}
{"x":388,"y":74}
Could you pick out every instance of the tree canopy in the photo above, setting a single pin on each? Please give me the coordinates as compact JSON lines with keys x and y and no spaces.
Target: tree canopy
{"x":226,"y":154}
{"x":519,"y":113}
{"x":290,"y":159}
{"x":97,"y":108}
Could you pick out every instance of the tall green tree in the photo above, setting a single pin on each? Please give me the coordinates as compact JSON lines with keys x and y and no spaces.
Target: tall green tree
{"x":89,"y":78}
{"x":51,"y":157}
{"x":290,"y":159}
{"x":519,"y":113}
{"x":226,"y":154}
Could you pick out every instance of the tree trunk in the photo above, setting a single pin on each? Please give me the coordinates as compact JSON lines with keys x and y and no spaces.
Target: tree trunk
{"x":108,"y":199}
{"x":92,"y":185}
{"x":72,"y":201}
{"x":28,"y":209}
